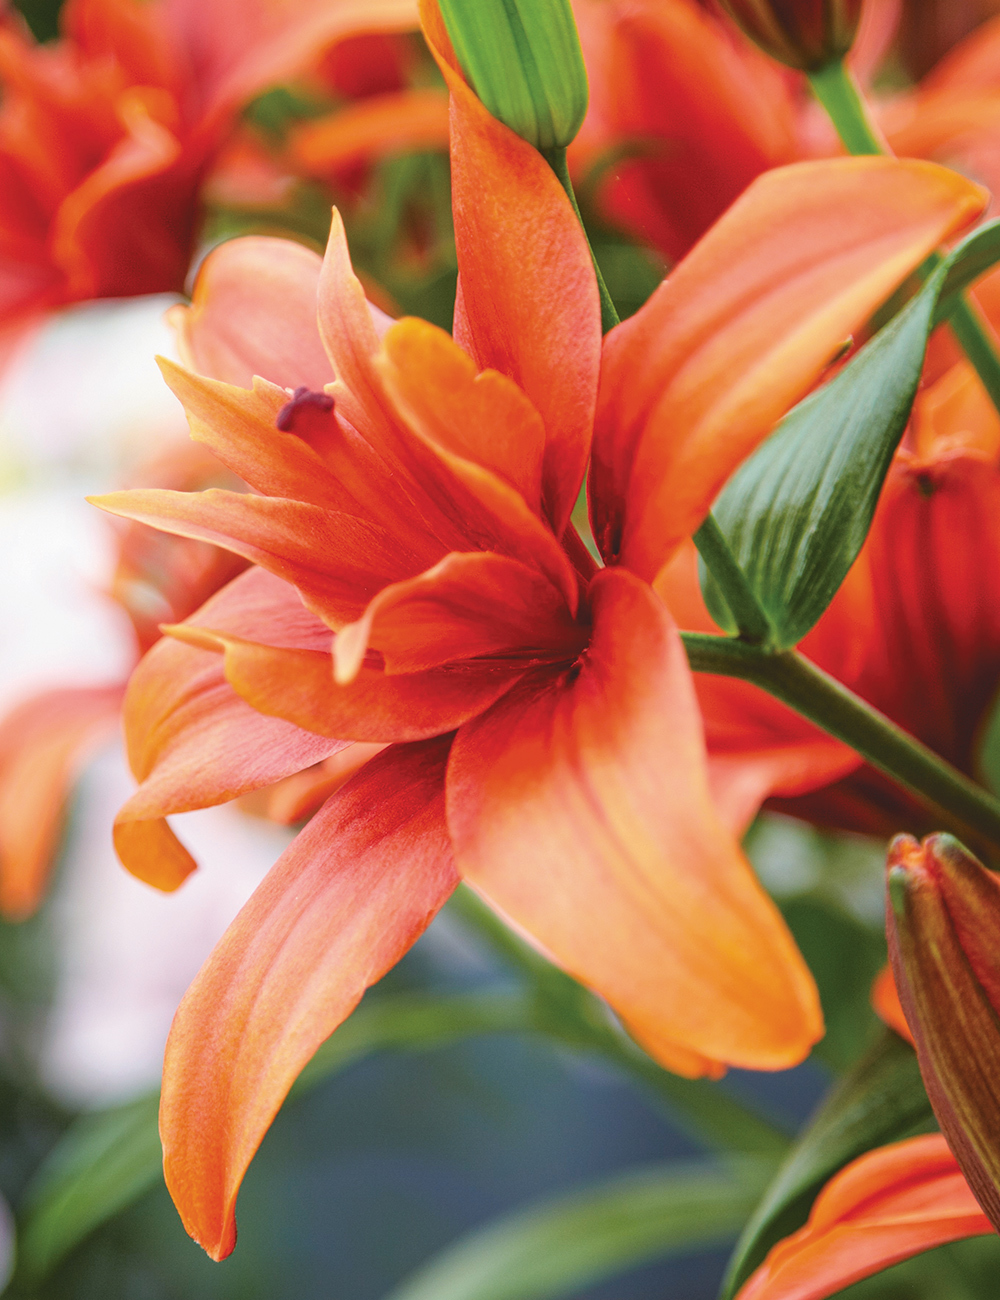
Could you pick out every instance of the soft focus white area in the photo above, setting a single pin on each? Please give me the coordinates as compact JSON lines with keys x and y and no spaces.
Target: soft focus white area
{"x":85,"y":400}
{"x":58,"y":626}
{"x":79,"y":409}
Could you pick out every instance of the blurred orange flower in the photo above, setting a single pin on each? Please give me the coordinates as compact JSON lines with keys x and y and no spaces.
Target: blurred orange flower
{"x":107,"y":134}
{"x":685,"y":112}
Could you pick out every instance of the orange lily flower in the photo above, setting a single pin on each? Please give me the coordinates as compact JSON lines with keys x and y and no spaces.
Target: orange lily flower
{"x":420,"y":587}
{"x":891,"y":1203}
{"x":46,"y":738}
{"x":106,"y":136}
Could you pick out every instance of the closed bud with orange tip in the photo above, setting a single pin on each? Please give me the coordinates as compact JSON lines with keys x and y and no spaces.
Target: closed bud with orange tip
{"x":943,"y":924}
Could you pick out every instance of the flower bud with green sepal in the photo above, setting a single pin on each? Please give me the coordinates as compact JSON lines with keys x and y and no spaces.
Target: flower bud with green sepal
{"x":523,"y":59}
{"x":943,"y":926}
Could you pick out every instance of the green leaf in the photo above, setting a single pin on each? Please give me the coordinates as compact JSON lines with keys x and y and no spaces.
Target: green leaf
{"x":556,"y":1246}
{"x":101,"y":1164}
{"x":796,"y":514}
{"x":881,"y":1100}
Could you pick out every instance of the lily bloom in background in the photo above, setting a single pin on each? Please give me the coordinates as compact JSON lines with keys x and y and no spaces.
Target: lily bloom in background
{"x":107,"y":135}
{"x":46,"y":738}
{"x":420,"y":587}
{"x":685,"y":112}
{"x":892,"y":1203}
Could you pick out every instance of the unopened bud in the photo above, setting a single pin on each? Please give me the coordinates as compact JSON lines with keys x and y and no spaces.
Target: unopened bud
{"x":805,"y":34}
{"x":523,"y":60}
{"x":943,"y":924}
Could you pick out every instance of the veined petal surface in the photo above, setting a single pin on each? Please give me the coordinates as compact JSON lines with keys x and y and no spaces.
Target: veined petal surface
{"x":528,"y":303}
{"x":579,"y":805}
{"x":342,"y":904}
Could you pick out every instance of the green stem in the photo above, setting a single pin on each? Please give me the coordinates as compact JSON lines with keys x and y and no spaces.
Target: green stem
{"x":964,"y":806}
{"x":556,"y":158}
{"x":975,"y":336}
{"x":566,"y":1011}
{"x":753,"y":624}
{"x":836,"y":89}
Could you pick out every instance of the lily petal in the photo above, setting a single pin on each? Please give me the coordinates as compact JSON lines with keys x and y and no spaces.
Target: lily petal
{"x":340,"y":907}
{"x":890,"y":1204}
{"x":298,"y":685}
{"x":254,"y":313}
{"x":528,"y":305}
{"x":741,"y":330}
{"x":465,"y":607}
{"x":579,"y":805}
{"x":285,"y":537}
{"x":192,"y":742}
{"x":483,"y":417}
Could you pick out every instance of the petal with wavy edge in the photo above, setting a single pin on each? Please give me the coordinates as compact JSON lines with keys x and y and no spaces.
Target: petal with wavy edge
{"x":743,"y":327}
{"x":298,"y":685}
{"x":340,"y":907}
{"x":890,"y":1204}
{"x":192,"y":742}
{"x":529,"y":305}
{"x":254,"y":313}
{"x":483,"y":417}
{"x":579,"y":805}
{"x":468,"y":606}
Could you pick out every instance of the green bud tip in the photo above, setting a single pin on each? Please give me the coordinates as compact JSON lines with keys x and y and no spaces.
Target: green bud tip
{"x":523,"y":60}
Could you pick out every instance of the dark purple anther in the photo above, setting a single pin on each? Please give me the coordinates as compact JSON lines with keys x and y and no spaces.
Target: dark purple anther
{"x":303,"y":400}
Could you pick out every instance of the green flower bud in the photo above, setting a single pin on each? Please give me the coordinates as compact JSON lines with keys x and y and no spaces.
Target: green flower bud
{"x":523,"y":60}
{"x":805,"y":34}
{"x":943,"y":925}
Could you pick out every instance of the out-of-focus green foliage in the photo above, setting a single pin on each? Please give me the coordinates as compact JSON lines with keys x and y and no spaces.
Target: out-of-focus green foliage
{"x":554,"y":1247}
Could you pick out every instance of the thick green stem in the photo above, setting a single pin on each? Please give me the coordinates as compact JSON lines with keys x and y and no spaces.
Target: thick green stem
{"x":838,"y":92}
{"x":753,"y":624}
{"x":556,"y":158}
{"x":963,"y":806}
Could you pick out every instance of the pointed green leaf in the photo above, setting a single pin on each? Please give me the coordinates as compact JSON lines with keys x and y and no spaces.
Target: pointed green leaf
{"x":796,"y":514}
{"x":101,"y":1164}
{"x":881,"y":1100}
{"x":556,"y":1246}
